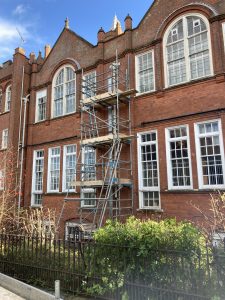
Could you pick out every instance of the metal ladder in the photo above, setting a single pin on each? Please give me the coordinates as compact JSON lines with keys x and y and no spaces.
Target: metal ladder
{"x":106,"y":189}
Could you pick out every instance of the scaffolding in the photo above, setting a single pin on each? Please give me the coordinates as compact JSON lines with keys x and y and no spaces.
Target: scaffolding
{"x":104,"y":164}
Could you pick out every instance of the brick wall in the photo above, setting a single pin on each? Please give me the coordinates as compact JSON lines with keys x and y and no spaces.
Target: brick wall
{"x":185,"y":104}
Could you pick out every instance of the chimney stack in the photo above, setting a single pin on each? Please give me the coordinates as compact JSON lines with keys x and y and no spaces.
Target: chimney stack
{"x":128,"y":23}
{"x":47,"y":50}
{"x":32,"y":57}
{"x":20,"y":50}
{"x":101,"y":35}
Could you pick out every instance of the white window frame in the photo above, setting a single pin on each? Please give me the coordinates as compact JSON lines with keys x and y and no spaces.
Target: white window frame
{"x":223,"y":30}
{"x":5,"y":138}
{"x":40,"y":94}
{"x":33,"y":192}
{"x":65,"y":154}
{"x":198,"y":155}
{"x":168,"y":158}
{"x":49,"y":169}
{"x":1,"y":99}
{"x":85,"y":150}
{"x":2,"y":180}
{"x":69,"y":224}
{"x":140,"y":178}
{"x":86,"y":191}
{"x":64,"y":93}
{"x":73,"y":224}
{"x":188,"y":71}
{"x":137,"y":79}
{"x":84,"y":78}
{"x":7,"y":99}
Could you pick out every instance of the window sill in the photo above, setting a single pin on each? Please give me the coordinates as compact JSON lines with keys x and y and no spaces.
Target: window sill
{"x":40,"y":122}
{"x":4,"y":112}
{"x":36,"y":206}
{"x":69,"y":192}
{"x":186,"y":83}
{"x":193,"y":191}
{"x":53,"y":193}
{"x":139,"y":95}
{"x":63,"y":116}
{"x":88,"y":207}
{"x":157,"y":210}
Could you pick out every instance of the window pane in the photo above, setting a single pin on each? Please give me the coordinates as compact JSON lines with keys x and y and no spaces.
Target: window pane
{"x":89,"y":161}
{"x":58,"y":101}
{"x":210,"y":154}
{"x":70,"y":96}
{"x":149,"y":170}
{"x":177,"y":72}
{"x":38,"y":177}
{"x":175,"y":51}
{"x":8,"y":98}
{"x":54,"y":169}
{"x":89,"y":198}
{"x":89,"y":88}
{"x":195,"y":25}
{"x":60,"y":78}
{"x":151,"y":199}
{"x":1,"y":179}
{"x":176,"y":33}
{"x":64,"y":92}
{"x":0,"y":100}
{"x":188,"y":51}
{"x":179,"y":157}
{"x":145,"y":72}
{"x":70,"y":166}
{"x":5,"y":134}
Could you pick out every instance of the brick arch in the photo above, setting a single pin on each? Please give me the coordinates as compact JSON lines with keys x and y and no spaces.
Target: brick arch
{"x":3,"y":87}
{"x":206,"y":9}
{"x":67,"y":61}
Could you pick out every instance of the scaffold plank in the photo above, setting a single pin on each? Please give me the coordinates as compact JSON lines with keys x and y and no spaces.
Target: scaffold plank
{"x":105,"y":139}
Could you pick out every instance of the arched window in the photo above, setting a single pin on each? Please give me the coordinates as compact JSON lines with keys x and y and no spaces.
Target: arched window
{"x":64,"y":90}
{"x":8,"y":95}
{"x":187,"y":50}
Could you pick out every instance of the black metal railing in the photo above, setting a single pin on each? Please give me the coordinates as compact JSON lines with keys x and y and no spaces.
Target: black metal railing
{"x":113,"y":272}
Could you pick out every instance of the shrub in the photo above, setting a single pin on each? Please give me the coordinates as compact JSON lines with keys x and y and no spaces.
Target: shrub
{"x":164,"y":254}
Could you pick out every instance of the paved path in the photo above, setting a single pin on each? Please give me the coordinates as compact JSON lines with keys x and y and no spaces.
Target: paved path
{"x":7,"y":295}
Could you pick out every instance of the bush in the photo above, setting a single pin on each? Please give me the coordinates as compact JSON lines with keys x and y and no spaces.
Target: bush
{"x":163,"y":254}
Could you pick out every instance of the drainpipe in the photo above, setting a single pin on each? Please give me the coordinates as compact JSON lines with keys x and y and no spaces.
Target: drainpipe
{"x":26,"y":100}
{"x":21,"y":107}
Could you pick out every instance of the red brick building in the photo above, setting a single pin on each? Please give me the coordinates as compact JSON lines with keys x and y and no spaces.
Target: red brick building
{"x":156,"y":93}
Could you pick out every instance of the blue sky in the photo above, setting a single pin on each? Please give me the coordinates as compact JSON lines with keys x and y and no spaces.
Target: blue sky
{"x":41,"y":21}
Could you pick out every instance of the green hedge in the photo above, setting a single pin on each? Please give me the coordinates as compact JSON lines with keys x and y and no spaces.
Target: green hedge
{"x":165,"y":254}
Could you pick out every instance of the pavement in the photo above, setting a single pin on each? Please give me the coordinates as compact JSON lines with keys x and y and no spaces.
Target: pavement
{"x":7,"y":295}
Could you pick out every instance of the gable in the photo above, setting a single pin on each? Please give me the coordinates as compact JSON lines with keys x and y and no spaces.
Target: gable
{"x":160,"y":12}
{"x":68,"y":46}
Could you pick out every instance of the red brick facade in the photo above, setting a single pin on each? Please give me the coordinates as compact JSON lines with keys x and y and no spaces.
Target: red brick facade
{"x":184,"y":104}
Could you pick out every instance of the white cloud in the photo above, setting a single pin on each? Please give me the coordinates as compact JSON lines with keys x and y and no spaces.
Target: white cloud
{"x":19,"y":10}
{"x":9,"y":37}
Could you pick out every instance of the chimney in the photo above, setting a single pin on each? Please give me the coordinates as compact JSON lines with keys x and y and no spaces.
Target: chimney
{"x":128,"y":22}
{"x":47,"y":50}
{"x":32,"y":57}
{"x":119,"y":29}
{"x":20,"y":50}
{"x":101,"y":35}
